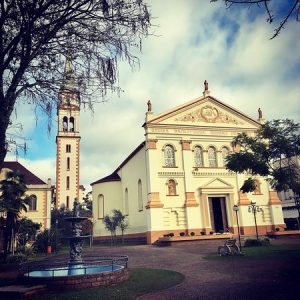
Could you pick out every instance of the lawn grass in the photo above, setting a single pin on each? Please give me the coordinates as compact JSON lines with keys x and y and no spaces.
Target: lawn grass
{"x":141,"y":281}
{"x":263,"y":252}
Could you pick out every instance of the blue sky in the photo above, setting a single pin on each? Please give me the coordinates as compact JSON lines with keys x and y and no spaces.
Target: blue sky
{"x":194,"y":41}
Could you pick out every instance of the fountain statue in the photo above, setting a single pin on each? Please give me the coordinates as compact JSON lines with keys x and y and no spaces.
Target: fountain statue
{"x":76,"y":240}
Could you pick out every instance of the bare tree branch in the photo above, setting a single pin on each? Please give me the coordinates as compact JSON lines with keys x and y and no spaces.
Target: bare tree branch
{"x":293,"y":8}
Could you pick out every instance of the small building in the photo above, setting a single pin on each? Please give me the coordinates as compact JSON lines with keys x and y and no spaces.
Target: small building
{"x":176,"y":181}
{"x":290,"y":201}
{"x":39,"y":209}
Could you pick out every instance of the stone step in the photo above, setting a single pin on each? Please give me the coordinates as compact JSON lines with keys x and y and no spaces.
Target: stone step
{"x":20,"y":291}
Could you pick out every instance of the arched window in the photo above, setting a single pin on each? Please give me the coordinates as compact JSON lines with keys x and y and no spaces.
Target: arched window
{"x":257,"y":190}
{"x":68,"y":182}
{"x":140,"y":195}
{"x":169,"y":154}
{"x":172,"y":187}
{"x":68,"y":163}
{"x":65,"y":124}
{"x":225,"y":153}
{"x":100,"y":206}
{"x":71,"y":124}
{"x":32,"y":202}
{"x":126,"y":208}
{"x":198,"y":156}
{"x":212,"y":157}
{"x":68,"y":148}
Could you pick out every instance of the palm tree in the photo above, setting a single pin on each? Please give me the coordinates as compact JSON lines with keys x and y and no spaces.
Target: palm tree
{"x":12,"y":202}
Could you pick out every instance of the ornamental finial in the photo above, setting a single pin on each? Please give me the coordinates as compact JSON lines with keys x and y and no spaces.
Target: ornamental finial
{"x":149,"y":104}
{"x":205,"y":85}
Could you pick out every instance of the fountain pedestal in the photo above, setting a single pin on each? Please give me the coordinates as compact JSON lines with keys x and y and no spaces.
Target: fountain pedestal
{"x":75,"y":263}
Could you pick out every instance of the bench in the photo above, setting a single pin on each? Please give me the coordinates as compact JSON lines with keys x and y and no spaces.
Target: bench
{"x":230,"y":248}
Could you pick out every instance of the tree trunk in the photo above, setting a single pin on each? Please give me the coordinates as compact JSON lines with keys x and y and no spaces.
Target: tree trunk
{"x":122,"y":237}
{"x":5,"y":113}
{"x":7,"y":234}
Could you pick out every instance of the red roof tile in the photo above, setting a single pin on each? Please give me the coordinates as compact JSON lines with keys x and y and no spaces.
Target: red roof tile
{"x":29,"y":177}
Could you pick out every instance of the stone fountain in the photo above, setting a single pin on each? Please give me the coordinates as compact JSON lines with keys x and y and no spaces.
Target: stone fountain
{"x":76,"y":272}
{"x":76,"y":241}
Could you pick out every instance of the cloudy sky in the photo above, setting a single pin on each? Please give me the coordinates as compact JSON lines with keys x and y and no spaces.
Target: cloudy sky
{"x":193,"y":41}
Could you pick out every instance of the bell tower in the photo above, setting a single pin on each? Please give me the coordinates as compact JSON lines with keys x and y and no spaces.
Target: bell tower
{"x":68,"y":140}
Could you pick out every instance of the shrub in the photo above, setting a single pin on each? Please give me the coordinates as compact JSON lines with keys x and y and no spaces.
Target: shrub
{"x":171,"y":234}
{"x":264,"y":241}
{"x":181,"y":233}
{"x":44,"y":239}
{"x":277,"y":229}
{"x":221,"y":231}
{"x":16,"y":259}
{"x":211,"y":232}
{"x":202,"y":232}
{"x":192,"y":233}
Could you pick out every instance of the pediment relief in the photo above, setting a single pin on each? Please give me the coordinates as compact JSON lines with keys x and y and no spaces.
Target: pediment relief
{"x":217,"y":183}
{"x":207,"y":111}
{"x":209,"y":114}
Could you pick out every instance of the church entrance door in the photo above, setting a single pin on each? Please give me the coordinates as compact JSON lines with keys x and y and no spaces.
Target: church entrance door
{"x":218,"y":216}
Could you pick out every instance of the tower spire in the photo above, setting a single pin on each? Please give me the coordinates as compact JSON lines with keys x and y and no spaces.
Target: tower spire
{"x":69,"y":80}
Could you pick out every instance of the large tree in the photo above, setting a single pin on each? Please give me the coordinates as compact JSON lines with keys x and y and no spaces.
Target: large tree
{"x":278,"y":12}
{"x":272,"y":152}
{"x":37,"y":35}
{"x":12,"y":201}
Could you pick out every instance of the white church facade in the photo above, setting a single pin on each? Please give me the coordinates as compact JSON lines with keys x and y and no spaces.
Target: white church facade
{"x":175,"y":181}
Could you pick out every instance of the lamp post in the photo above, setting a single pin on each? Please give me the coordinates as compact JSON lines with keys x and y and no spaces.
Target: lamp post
{"x":253,"y":208}
{"x":236,"y":209}
{"x":56,"y":226}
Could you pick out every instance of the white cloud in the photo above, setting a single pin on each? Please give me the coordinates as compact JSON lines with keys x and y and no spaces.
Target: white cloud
{"x":191,"y":45}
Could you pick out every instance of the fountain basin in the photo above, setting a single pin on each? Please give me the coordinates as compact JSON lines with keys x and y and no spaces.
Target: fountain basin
{"x":93,"y":272}
{"x":56,"y":272}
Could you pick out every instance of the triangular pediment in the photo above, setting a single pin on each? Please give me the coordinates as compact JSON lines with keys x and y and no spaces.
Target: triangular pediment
{"x":205,"y":111}
{"x":217,"y":183}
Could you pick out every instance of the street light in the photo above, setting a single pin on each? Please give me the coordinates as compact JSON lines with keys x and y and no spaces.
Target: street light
{"x":56,"y":225}
{"x":236,"y":209}
{"x":253,"y":208}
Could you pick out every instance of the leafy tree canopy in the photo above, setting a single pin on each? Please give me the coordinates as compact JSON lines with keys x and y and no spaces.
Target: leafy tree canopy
{"x":271,"y":152}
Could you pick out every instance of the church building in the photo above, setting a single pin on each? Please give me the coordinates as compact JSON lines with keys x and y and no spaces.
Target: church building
{"x":40,"y":192}
{"x":176,"y":181}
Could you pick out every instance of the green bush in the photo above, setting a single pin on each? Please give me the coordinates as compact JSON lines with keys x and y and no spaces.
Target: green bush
{"x":45,"y":239}
{"x":16,"y":259}
{"x":211,"y":232}
{"x":181,"y":233}
{"x":263,"y":241}
{"x":202,"y":232}
{"x":192,"y":233}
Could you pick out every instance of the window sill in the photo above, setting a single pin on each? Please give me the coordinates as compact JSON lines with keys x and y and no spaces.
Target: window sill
{"x":170,"y":167}
{"x":257,"y":194}
{"x":140,"y":210}
{"x":171,"y":195}
{"x":32,"y":210}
